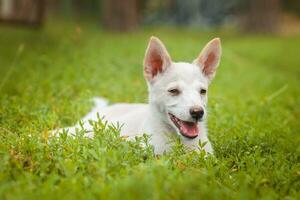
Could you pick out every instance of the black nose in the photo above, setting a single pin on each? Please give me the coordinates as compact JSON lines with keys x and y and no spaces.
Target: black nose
{"x":197,"y":112}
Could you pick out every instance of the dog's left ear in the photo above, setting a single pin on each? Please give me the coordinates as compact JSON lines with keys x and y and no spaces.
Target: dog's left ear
{"x":157,"y":59}
{"x":209,"y":58}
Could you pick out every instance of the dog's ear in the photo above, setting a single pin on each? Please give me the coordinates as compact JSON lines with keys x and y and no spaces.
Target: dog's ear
{"x":156,"y":60}
{"x":209,"y":58}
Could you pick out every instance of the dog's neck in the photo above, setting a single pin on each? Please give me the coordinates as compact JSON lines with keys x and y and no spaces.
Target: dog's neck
{"x":160,"y":131}
{"x":158,"y":119}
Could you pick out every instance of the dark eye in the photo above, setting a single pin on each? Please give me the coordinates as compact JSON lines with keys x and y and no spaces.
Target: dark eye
{"x":203,"y":91}
{"x":174,"y":92}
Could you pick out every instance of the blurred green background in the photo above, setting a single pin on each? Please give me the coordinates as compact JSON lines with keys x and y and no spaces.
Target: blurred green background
{"x":118,"y":15}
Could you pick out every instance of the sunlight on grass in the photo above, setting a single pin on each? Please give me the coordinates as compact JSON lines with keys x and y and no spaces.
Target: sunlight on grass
{"x":48,"y":78}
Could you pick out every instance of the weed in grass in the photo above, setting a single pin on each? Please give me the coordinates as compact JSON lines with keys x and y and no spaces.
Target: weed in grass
{"x":253,"y":118}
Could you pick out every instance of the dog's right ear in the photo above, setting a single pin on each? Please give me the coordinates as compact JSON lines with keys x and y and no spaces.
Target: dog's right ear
{"x":156,"y":60}
{"x":209,"y":58}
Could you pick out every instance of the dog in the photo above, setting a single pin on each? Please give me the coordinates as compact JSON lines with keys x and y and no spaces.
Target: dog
{"x":177,"y":100}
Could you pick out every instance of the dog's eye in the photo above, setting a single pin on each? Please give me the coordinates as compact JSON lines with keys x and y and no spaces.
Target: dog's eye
{"x":203,"y":91}
{"x":174,"y":91}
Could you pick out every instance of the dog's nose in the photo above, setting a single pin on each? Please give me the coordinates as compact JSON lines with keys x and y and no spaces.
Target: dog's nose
{"x":197,"y":112}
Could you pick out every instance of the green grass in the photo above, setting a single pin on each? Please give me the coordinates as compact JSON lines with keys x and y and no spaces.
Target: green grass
{"x":49,"y":76}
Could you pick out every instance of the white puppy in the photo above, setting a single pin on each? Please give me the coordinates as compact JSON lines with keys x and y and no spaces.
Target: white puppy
{"x":177,"y":100}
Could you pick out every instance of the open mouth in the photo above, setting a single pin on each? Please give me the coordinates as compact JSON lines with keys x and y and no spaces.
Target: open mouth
{"x":187,"y":129}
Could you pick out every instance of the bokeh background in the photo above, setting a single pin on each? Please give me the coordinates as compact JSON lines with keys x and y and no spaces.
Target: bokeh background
{"x":128,"y":15}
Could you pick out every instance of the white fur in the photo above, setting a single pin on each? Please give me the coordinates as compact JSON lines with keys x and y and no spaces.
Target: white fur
{"x":153,"y":118}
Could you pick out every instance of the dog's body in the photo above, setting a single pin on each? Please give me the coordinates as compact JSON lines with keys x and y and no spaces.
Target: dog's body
{"x":177,"y":100}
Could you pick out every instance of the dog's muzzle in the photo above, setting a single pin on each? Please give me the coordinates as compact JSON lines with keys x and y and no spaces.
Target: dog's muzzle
{"x":187,"y":129}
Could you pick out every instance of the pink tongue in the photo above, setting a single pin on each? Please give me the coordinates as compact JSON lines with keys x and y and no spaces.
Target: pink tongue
{"x":189,"y":129}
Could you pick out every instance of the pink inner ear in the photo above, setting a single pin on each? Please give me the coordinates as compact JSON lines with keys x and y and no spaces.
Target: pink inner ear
{"x":209,"y":63}
{"x":156,"y":65}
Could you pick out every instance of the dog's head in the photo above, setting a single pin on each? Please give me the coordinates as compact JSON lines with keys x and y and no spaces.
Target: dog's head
{"x":179,"y":90}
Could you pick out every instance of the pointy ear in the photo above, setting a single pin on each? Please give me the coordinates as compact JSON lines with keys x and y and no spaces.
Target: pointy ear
{"x":209,"y":58}
{"x":156,"y":60}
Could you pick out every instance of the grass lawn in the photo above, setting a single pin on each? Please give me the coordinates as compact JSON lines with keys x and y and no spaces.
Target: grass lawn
{"x":48,"y":76}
